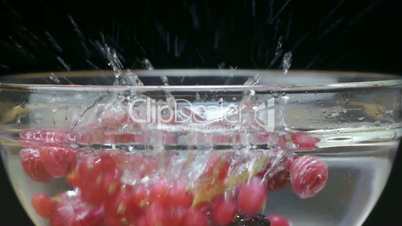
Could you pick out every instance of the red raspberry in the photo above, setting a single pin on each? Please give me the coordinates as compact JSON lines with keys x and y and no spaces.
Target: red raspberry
{"x":99,"y":177}
{"x":160,"y":192}
{"x":140,"y":198}
{"x":73,"y":178}
{"x":279,"y":180}
{"x":277,"y":177}
{"x":157,"y":215}
{"x":179,"y":196}
{"x":32,"y":163}
{"x":223,"y":211}
{"x":58,"y":161}
{"x":277,"y":220}
{"x":252,"y":197}
{"x":43,"y":205}
{"x":308,"y":176}
{"x":304,"y":141}
{"x":141,"y":221}
{"x":195,"y":217}
{"x":121,"y":208}
{"x":72,"y":211}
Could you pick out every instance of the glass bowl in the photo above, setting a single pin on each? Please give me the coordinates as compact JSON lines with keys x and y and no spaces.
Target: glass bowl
{"x":199,"y":147}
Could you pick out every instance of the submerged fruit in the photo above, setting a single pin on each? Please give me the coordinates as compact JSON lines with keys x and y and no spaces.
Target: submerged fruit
{"x":58,"y":161}
{"x":223,"y":211}
{"x":308,"y":176}
{"x":43,"y":205}
{"x":277,"y":220}
{"x":257,"y":220}
{"x":32,"y":163}
{"x":252,"y":197}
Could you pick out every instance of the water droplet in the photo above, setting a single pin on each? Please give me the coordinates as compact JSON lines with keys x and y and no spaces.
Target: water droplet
{"x":220,"y":102}
{"x":54,"y":78}
{"x":147,"y":64}
{"x":286,"y":62}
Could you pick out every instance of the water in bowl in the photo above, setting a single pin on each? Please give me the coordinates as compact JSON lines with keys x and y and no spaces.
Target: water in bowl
{"x":357,"y":175}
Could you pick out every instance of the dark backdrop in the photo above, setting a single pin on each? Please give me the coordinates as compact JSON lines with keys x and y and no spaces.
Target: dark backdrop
{"x":362,"y":35}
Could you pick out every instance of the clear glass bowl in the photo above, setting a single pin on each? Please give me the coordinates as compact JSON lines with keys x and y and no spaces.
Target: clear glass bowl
{"x":199,"y":147}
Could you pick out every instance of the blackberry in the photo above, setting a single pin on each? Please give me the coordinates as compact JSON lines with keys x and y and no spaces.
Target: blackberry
{"x":257,"y":220}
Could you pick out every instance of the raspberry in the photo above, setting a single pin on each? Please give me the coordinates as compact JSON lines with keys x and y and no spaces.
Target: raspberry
{"x":177,"y":216}
{"x":277,"y":177}
{"x":304,"y":141}
{"x":195,"y":217}
{"x":278,"y":180}
{"x":121,"y":208}
{"x":252,"y":197}
{"x":140,"y":197}
{"x":43,"y":205}
{"x":223,"y":211}
{"x":277,"y":220}
{"x":99,"y":177}
{"x":160,"y":192}
{"x":308,"y":176}
{"x":58,"y":161}
{"x":179,"y":196}
{"x":32,"y":163}
{"x":71,"y":210}
{"x":156,"y":215}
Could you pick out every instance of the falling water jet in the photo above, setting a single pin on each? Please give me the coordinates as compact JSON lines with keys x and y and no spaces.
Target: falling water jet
{"x":79,"y":34}
{"x":63,"y":63}
{"x":53,"y":42}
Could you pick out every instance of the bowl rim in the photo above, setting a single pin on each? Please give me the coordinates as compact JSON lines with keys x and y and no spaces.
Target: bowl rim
{"x":383,"y":81}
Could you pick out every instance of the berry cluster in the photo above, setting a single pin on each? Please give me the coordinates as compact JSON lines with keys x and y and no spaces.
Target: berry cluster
{"x":117,"y":188}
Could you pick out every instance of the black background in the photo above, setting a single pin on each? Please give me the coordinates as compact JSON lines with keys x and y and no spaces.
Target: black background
{"x":359,"y":35}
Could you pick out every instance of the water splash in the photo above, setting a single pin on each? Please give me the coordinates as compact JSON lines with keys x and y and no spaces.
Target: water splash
{"x":63,"y":63}
{"x":53,"y":42}
{"x":147,"y":64}
{"x":54,"y":78}
{"x":286,"y":62}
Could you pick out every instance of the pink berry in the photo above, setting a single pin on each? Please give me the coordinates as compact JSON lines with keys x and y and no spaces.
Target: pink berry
{"x":278,"y":180}
{"x":177,"y":216}
{"x":121,"y":208}
{"x":71,"y":210}
{"x":277,"y":220}
{"x":308,"y":176}
{"x":98,"y":177}
{"x":156,"y":215}
{"x":43,"y":205}
{"x":278,"y":176}
{"x":179,"y":196}
{"x":159,"y":192}
{"x":58,"y":161}
{"x":32,"y":163}
{"x":223,"y":211}
{"x":252,"y":197}
{"x":304,"y":141}
{"x":195,"y":217}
